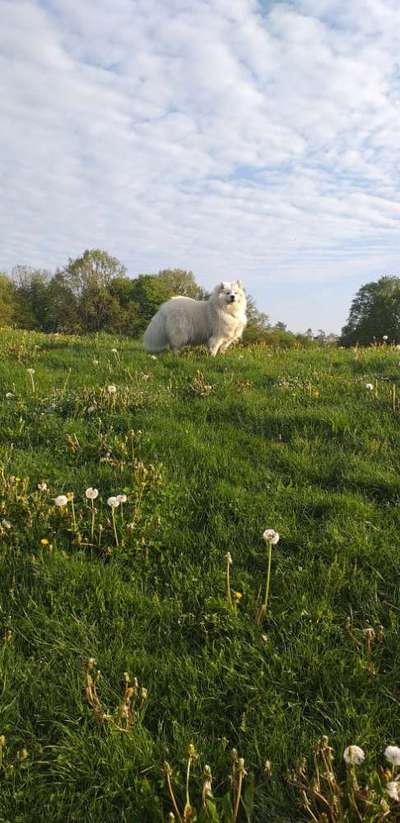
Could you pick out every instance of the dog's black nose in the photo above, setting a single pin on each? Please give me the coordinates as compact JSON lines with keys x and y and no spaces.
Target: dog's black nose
{"x":232,"y":298}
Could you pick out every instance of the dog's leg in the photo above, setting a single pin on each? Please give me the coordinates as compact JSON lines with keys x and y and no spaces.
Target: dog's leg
{"x":214,"y":345}
{"x":226,"y":345}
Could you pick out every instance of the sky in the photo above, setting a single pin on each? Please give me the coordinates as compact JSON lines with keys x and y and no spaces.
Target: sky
{"x":235,"y":138}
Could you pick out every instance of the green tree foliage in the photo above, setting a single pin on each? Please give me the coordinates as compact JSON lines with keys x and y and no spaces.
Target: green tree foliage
{"x":95,"y":268}
{"x":7,"y":301}
{"x":257,"y":323}
{"x":93,"y":293}
{"x":179,"y":281}
{"x":374,"y":312}
{"x":31,"y":296}
{"x":62,"y":313}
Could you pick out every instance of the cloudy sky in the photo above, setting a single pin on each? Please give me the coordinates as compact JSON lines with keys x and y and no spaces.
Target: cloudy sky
{"x":231,"y":137}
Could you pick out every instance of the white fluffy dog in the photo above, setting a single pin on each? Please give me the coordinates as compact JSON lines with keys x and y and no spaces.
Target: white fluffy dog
{"x":218,"y":321}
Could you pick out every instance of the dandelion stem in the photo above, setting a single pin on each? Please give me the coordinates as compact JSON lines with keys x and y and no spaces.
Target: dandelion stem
{"x":73,"y":514}
{"x":167,"y":774}
{"x":93,"y":520}
{"x":267,"y":585}
{"x":114,"y":527}
{"x":228,"y":580}
{"x":65,"y":383}
{"x":240,"y":772}
{"x":187,"y":783}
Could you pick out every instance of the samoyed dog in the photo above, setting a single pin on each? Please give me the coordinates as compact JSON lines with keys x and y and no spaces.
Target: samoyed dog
{"x":181,"y":321}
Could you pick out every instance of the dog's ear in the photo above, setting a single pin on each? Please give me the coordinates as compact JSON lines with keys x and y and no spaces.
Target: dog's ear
{"x":224,"y":285}
{"x":239,"y":284}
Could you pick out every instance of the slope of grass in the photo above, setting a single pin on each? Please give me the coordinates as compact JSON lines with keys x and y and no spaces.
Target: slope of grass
{"x":209,"y":454}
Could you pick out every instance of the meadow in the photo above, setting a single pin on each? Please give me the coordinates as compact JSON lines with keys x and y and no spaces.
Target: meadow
{"x":204,"y":454}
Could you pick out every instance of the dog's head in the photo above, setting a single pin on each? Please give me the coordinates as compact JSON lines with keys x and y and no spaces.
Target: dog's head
{"x":230,"y":293}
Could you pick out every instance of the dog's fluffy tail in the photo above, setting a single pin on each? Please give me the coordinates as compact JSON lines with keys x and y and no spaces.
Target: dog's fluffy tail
{"x":155,"y":337}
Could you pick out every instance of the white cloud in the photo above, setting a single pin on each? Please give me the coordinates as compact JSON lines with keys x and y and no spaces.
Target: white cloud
{"x":212,"y":135}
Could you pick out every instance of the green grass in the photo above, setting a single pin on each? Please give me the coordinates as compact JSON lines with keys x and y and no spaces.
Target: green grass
{"x":210,"y":452}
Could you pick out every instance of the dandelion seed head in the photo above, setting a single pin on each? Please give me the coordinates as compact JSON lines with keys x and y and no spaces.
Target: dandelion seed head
{"x":369,"y":386}
{"x":354,"y":755}
{"x":392,"y":754}
{"x":393,"y":790}
{"x":111,"y":389}
{"x":61,"y":500}
{"x":42,"y":486}
{"x":6,"y":524}
{"x":271,"y":536}
{"x":113,"y":502}
{"x":31,"y":371}
{"x":122,"y":498}
{"x":91,"y":493}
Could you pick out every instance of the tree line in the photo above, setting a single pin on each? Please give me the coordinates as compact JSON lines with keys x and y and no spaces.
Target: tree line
{"x":94,"y":293}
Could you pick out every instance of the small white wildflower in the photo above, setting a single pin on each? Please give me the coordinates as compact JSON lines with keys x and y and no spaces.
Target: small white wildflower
{"x":31,"y":371}
{"x":385,"y":337}
{"x":111,"y":389}
{"x":95,"y":361}
{"x":42,"y":486}
{"x":228,"y":558}
{"x":271,"y":536}
{"x":393,"y":790}
{"x":61,"y":500}
{"x":369,"y":386}
{"x":153,"y":357}
{"x":91,"y":493}
{"x":113,"y":502}
{"x":392,"y":754}
{"x":354,"y":755}
{"x":122,"y":498}
{"x":9,"y":394}
{"x":114,"y":351}
{"x":6,"y":524}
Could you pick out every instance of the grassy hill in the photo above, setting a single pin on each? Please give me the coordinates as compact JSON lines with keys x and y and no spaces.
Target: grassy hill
{"x":209,"y":453}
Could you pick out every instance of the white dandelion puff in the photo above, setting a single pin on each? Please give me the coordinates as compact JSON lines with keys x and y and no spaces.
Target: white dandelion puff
{"x":113,"y":502}
{"x":6,"y":524}
{"x":393,"y":790}
{"x":91,"y":493}
{"x":271,"y":536}
{"x":354,"y":755}
{"x":61,"y":500}
{"x":392,"y":754}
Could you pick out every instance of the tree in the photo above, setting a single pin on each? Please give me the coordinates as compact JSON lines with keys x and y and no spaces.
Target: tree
{"x":180,"y":281}
{"x":374,"y":312}
{"x":7,"y":301}
{"x":94,"y":268}
{"x":31,"y":296}
{"x":257,"y":322}
{"x":62,"y":312}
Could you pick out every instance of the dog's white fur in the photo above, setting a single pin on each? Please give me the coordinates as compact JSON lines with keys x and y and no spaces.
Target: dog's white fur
{"x":181,"y":321}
